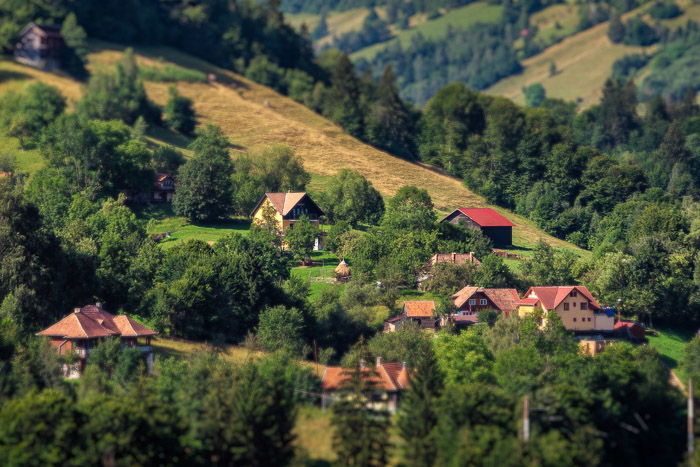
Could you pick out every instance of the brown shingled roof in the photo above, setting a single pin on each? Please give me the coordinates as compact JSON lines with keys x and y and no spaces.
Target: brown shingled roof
{"x":419,"y":308}
{"x":504,"y":299}
{"x":92,"y":321}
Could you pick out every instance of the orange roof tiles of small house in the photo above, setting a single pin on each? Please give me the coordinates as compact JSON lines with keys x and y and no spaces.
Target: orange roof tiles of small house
{"x":387,"y":376}
{"x":552,"y":296}
{"x":486,"y":217}
{"x":92,"y":321}
{"x":504,"y":299}
{"x":528,"y":301}
{"x":419,"y":308}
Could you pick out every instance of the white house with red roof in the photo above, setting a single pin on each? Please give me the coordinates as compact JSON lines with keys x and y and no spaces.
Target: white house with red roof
{"x":575,"y":305}
{"x":387,"y":381}
{"x":492,"y":224}
{"x":78,"y":333}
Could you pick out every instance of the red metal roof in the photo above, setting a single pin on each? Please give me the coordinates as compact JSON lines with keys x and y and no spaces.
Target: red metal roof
{"x":486,"y":217}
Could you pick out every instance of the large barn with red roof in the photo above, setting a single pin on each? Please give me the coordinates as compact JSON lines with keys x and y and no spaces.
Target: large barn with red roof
{"x":492,"y":224}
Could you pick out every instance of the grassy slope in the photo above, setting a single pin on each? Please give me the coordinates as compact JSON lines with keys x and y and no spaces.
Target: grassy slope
{"x":254,"y":116}
{"x":584,"y":61}
{"x":670,"y":343}
{"x":462,"y":17}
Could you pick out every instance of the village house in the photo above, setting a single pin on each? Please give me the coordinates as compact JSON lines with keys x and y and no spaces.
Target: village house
{"x":287,"y":208}
{"x":387,"y":380}
{"x":40,"y":46}
{"x":469,"y":301}
{"x":575,"y":305}
{"x":492,"y":224}
{"x":163,"y":188}
{"x":426,"y":272}
{"x":78,"y":333}
{"x":421,"y":312}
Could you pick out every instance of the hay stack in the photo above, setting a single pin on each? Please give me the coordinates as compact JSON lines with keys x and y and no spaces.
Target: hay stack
{"x":342,"y":272}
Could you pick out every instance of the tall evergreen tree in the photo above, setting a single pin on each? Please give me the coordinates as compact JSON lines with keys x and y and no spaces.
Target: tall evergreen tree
{"x":344,"y":97}
{"x":418,"y":413}
{"x":390,"y":124}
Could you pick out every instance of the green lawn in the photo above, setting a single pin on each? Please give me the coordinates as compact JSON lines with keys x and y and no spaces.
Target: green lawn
{"x":319,"y":277}
{"x":180,"y":229}
{"x":25,"y":160}
{"x":463,"y":17}
{"x":670,"y":343}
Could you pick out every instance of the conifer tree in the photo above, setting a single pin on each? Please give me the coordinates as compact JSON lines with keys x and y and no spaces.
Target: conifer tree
{"x":616,"y":30}
{"x":418,"y":413}
{"x":390,"y":124}
{"x":344,"y":98}
{"x":75,"y":52}
{"x":179,"y":113}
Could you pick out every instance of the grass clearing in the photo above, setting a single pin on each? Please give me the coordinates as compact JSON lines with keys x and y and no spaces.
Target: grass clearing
{"x":180,"y":348}
{"x":463,"y":17}
{"x":181,"y":230}
{"x":25,"y":161}
{"x":314,"y":435}
{"x":670,"y":343}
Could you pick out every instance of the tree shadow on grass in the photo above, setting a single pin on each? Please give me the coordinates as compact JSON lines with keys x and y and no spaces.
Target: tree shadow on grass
{"x":7,"y":75}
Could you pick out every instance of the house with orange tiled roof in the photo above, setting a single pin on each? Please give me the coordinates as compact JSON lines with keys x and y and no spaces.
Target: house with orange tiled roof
{"x":574,"y":304}
{"x":420,"y":312}
{"x":78,"y":333}
{"x":387,"y":380}
{"x":286,"y":209}
{"x":470,"y":300}
{"x":163,"y":188}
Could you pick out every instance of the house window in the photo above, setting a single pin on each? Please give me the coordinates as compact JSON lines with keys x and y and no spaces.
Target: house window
{"x":574,"y":304}
{"x":574,"y":320}
{"x":573,"y":293}
{"x":566,"y":307}
{"x":472,"y":301}
{"x":483,"y":301}
{"x":584,"y":305}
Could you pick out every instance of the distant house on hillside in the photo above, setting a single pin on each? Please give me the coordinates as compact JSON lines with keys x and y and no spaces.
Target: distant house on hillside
{"x":421,"y":312}
{"x":388,"y":380}
{"x":492,"y":224}
{"x":163,"y":188}
{"x":470,"y":300}
{"x":574,"y":304}
{"x":40,"y":46}
{"x":80,"y":332}
{"x":286,"y":209}
{"x":426,"y":272}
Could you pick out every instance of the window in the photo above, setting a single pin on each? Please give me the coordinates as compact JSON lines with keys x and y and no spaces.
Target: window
{"x":483,"y":301}
{"x":573,"y":293}
{"x":574,"y":320}
{"x":472,"y":301}
{"x":584,"y":305}
{"x":566,"y":307}
{"x":574,"y":304}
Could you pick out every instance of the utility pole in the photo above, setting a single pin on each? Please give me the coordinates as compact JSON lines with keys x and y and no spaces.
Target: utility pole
{"x":691,"y":415}
{"x":526,"y":419}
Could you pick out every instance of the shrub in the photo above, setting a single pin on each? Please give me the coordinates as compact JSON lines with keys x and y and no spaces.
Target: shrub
{"x":171,"y":73}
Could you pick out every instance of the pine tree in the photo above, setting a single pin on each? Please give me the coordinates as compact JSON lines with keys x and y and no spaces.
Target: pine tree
{"x":344,"y":97}
{"x":390,"y":125}
{"x":616,"y":30}
{"x":75,"y":52}
{"x":418,"y":417}
{"x":361,"y":435}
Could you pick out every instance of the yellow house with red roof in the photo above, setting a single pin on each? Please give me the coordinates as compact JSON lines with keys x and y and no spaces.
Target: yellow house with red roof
{"x":286,"y":209}
{"x":574,"y":304}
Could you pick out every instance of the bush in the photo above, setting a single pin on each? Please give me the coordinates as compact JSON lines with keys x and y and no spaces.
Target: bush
{"x":626,"y":67}
{"x":171,"y":73}
{"x":665,"y":10}
{"x":637,"y":32}
{"x":179,"y":114}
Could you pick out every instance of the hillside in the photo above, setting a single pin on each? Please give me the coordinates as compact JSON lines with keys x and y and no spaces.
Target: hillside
{"x":583,"y":61}
{"x":253,"y":116}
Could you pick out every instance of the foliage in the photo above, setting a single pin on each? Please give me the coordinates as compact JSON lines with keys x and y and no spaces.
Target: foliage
{"x":280,"y":328}
{"x":534,"y":95}
{"x":300,"y":238}
{"x":350,"y":197}
{"x":204,"y":190}
{"x":171,"y":73}
{"x":178,"y":113}
{"x":25,"y":114}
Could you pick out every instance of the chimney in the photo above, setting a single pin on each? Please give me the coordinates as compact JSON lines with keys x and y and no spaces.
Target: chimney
{"x":76,"y":310}
{"x":379,"y":362}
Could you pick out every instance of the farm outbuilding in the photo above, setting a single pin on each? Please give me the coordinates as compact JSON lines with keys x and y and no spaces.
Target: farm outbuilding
{"x":492,"y":224}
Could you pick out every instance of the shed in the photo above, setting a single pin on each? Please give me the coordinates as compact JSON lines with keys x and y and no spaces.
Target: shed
{"x":492,"y":224}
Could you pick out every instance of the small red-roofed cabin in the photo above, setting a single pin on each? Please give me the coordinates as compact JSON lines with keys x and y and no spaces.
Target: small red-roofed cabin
{"x":163,"y":188}
{"x":78,"y":333}
{"x":387,"y":381}
{"x":492,"y":224}
{"x":421,"y":312}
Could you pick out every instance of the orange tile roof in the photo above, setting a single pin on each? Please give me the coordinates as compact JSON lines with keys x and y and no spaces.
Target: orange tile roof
{"x":504,"y":299}
{"x":552,"y":296}
{"x":419,"y":308}
{"x":387,"y":376}
{"x":92,"y":321}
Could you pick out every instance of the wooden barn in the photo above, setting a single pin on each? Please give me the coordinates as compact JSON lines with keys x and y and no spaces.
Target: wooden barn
{"x":492,"y":224}
{"x":40,"y":46}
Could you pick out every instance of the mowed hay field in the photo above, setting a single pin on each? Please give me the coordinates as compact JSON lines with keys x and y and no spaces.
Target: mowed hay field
{"x":254,"y":116}
{"x":583,"y":61}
